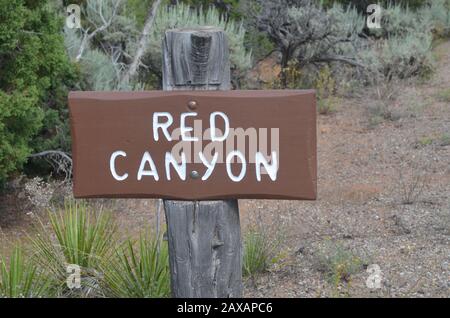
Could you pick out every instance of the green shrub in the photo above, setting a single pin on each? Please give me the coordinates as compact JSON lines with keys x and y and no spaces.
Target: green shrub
{"x":138,"y":10}
{"x":438,"y":13}
{"x":100,"y":68}
{"x":326,"y":106}
{"x":183,"y":16}
{"x":33,"y":67}
{"x":337,"y":262}
{"x":259,"y":252}
{"x":408,"y":55}
{"x":78,"y":235}
{"x":400,"y":21}
{"x":20,"y":120}
{"x":312,"y":35}
{"x":141,"y":271}
{"x":404,"y":46}
{"x":361,"y":5}
{"x":230,"y":8}
{"x":444,"y":140}
{"x":21,"y":278}
{"x":444,"y":95}
{"x":325,"y":87}
{"x":104,"y":69}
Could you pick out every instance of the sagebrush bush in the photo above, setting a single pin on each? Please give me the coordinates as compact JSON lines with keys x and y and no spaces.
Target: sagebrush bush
{"x":400,"y":21}
{"x":38,"y":193}
{"x":361,"y":5}
{"x":311,"y":34}
{"x":444,"y":140}
{"x":182,"y":16}
{"x":337,"y":262}
{"x":438,"y":15}
{"x":444,"y":95}
{"x":408,"y":55}
{"x":104,"y":69}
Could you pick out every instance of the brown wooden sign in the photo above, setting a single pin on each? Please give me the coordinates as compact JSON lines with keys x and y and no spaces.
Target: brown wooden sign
{"x":194,"y":145}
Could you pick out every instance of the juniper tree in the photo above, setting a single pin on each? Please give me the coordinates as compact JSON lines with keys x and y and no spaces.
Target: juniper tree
{"x":33,"y":71}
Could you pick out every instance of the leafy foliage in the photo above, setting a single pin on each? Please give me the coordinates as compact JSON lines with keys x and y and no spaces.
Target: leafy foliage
{"x":399,"y":21}
{"x":141,"y":271}
{"x":438,"y":13}
{"x":325,"y":86}
{"x":311,"y":36}
{"x":226,"y":7}
{"x":138,"y":10}
{"x":337,"y":262}
{"x":21,"y":278}
{"x":305,"y":32}
{"x":106,"y":59}
{"x":259,"y":250}
{"x":36,"y":73}
{"x":404,"y":46}
{"x":33,"y":69}
{"x":361,"y":5}
{"x":183,"y":16}
{"x":78,"y":236}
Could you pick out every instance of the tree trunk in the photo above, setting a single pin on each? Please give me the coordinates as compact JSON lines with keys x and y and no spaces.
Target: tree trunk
{"x":284,"y":65}
{"x":204,"y":236}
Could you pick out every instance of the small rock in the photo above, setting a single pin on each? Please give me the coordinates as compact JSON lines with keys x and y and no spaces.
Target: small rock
{"x":300,"y":250}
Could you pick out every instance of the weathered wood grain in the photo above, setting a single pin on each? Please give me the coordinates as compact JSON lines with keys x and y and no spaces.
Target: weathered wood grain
{"x":196,"y":59}
{"x":204,"y":236}
{"x":205,"y":248}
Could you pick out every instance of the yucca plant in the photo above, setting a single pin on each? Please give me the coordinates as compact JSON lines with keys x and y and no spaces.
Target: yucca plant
{"x":139,"y":270}
{"x":21,"y":278}
{"x":79,"y":236}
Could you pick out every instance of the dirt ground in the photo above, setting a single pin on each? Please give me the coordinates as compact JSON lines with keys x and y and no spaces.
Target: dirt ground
{"x":365,"y":175}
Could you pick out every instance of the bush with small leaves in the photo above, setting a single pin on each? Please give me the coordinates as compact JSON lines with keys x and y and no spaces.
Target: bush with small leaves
{"x":444,"y":95}
{"x":305,"y":32}
{"x":33,"y":70}
{"x":182,"y":16}
{"x":337,"y":262}
{"x":438,"y":13}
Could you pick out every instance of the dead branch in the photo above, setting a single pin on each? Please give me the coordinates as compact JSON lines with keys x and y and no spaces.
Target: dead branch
{"x":60,"y":161}
{"x":143,"y":43}
{"x":343,"y":59}
{"x":87,"y":37}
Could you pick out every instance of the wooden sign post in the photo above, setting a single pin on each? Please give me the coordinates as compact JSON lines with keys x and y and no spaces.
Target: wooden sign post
{"x":204,"y":236}
{"x":196,"y":140}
